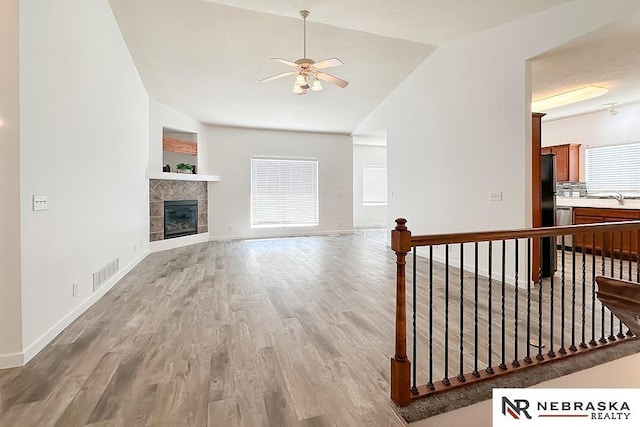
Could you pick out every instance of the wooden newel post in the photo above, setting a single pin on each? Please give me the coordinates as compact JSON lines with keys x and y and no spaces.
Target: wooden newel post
{"x":400,"y":364}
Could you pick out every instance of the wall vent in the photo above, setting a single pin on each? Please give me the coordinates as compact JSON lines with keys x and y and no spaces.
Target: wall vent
{"x":104,"y":273}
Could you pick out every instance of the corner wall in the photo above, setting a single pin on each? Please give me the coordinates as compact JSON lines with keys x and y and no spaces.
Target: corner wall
{"x":84,"y":144}
{"x":230,"y":151}
{"x":10,"y":300}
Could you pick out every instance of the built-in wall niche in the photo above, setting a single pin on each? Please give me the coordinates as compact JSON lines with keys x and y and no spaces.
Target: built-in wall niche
{"x":179,"y":148}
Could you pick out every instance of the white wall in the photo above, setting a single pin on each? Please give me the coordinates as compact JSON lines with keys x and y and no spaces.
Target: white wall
{"x":594,"y":129}
{"x":459,"y":127}
{"x":84,"y":144}
{"x":230,"y":151}
{"x":162,"y":116}
{"x":367,"y":155}
{"x":10,"y":304}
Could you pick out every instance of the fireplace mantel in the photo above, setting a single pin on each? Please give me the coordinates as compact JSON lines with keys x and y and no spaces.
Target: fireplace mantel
{"x":172,"y":176}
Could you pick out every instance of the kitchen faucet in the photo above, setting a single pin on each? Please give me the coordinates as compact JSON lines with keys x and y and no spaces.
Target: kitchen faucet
{"x":619,"y":197}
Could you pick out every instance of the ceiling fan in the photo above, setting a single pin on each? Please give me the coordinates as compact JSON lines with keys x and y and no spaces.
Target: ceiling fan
{"x":307,"y":70}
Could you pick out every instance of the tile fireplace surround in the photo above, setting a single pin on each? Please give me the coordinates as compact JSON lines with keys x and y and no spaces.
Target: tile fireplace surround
{"x":161,"y":190}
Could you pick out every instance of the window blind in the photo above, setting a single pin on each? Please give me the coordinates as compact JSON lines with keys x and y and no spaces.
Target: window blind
{"x":284,"y":192}
{"x":613,"y":168}
{"x":374,"y":185}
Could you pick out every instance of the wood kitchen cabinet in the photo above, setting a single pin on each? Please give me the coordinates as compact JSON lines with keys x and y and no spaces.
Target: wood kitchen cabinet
{"x":567,"y":161}
{"x":626,"y":241}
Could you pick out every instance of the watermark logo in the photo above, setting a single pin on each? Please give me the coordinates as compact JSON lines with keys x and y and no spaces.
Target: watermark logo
{"x":566,"y":407}
{"x":516,"y":409}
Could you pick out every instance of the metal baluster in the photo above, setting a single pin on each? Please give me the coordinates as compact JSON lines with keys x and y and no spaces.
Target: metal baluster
{"x":551,"y":353}
{"x":629,"y":263}
{"x":604,"y":268}
{"x":475,"y":372}
{"x":527,"y":359}
{"x":490,"y":323}
{"x":430,"y":385}
{"x":461,"y":272}
{"x":612,"y":337}
{"x":445,"y":380}
{"x":593,"y":290}
{"x":503,"y":346}
{"x":562,"y":350}
{"x":515,"y":361}
{"x":629,"y":333}
{"x":573,"y":347}
{"x":539,"y":356}
{"x":583,"y":342}
{"x":414,"y":388}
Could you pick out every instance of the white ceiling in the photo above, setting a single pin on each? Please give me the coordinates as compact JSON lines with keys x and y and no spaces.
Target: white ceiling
{"x":205,"y":57}
{"x":608,"y":57}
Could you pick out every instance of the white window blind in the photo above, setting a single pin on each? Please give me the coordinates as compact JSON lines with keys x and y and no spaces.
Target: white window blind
{"x":613,"y":168}
{"x":284,"y":192}
{"x":374,"y":185}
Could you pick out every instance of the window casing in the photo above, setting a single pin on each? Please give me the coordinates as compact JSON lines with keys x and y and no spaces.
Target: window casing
{"x":613,"y":168}
{"x":284,"y":192}
{"x":374,"y":185}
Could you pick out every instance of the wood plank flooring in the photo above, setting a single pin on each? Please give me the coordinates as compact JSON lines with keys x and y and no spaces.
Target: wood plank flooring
{"x":286,"y":332}
{"x":274,"y":332}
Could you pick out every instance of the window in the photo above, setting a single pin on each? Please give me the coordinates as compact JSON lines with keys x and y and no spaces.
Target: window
{"x":284,"y":192}
{"x":613,"y":168}
{"x":374,"y":185}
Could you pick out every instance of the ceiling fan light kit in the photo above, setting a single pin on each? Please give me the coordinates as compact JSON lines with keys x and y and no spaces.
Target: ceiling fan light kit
{"x":307,"y":71}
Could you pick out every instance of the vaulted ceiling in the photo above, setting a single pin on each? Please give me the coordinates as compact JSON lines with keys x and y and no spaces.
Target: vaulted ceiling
{"x":205,"y":58}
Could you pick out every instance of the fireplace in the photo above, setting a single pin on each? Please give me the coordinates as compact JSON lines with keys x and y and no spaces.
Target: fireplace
{"x":180,"y":218}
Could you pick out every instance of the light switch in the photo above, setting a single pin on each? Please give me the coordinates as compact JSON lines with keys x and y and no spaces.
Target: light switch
{"x":495,"y":196}
{"x":40,"y":203}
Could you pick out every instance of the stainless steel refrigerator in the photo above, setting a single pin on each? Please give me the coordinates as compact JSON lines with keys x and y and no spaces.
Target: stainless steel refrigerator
{"x":548,"y":188}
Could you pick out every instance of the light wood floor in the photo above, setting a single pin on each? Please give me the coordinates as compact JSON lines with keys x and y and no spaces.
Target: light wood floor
{"x":249,"y":333}
{"x":281,"y":332}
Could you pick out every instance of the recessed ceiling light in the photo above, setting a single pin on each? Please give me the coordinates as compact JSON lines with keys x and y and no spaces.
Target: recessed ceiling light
{"x":565,"y":98}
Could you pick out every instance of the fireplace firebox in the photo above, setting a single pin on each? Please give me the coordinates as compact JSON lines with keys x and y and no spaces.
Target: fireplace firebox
{"x":180,"y":218}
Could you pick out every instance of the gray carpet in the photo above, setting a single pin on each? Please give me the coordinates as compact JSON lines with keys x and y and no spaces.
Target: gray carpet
{"x":478,"y":392}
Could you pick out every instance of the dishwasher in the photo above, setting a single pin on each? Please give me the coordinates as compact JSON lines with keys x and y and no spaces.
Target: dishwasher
{"x":564,"y":217}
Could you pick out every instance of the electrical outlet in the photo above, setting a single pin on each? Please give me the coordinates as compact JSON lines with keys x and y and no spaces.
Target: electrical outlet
{"x":229,"y":228}
{"x":74,"y":288}
{"x":495,"y":196}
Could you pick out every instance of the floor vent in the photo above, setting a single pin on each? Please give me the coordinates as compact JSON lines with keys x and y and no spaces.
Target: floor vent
{"x":102,"y":275}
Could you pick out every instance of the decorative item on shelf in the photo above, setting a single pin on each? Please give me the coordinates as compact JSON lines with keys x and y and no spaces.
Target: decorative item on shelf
{"x":166,"y":168}
{"x":185,"y":168}
{"x":193,"y":169}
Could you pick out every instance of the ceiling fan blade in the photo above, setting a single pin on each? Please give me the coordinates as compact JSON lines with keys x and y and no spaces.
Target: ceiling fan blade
{"x":332,"y":79}
{"x":285,"y":62}
{"x":277,"y":76}
{"x":333,"y":62}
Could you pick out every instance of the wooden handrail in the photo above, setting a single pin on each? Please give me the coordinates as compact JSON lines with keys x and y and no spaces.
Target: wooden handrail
{"x":485,"y":236}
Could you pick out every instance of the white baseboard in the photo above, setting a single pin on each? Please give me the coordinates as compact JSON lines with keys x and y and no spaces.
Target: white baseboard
{"x":243,"y":237}
{"x":178,"y":242}
{"x":20,"y":359}
{"x":371,"y":225}
{"x":11,"y":360}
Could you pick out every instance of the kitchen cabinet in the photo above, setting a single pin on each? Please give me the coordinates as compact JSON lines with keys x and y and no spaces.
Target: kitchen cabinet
{"x":626,"y":241}
{"x":567,"y":161}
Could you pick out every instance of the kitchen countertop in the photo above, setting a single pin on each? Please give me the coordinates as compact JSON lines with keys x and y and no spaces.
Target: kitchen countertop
{"x":597,"y":203}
